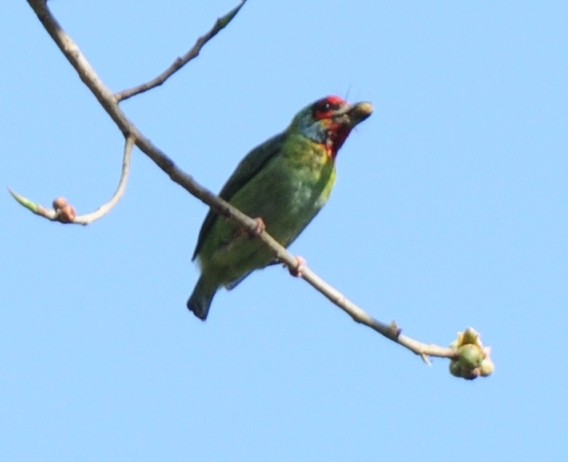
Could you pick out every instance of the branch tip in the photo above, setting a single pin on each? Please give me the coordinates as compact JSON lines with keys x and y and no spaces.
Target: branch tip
{"x":224,"y":21}
{"x":28,"y":204}
{"x":180,"y":62}
{"x":472,"y":359}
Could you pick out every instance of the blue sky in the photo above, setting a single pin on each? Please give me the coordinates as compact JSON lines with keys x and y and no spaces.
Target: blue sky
{"x":450,"y":211}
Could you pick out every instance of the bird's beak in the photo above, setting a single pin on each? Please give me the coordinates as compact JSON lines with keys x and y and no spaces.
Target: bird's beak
{"x":353,"y":114}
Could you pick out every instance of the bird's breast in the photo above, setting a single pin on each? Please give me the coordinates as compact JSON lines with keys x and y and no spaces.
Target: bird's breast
{"x":301,"y":184}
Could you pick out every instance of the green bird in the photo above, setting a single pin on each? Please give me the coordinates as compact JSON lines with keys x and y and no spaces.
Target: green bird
{"x":284,"y":183}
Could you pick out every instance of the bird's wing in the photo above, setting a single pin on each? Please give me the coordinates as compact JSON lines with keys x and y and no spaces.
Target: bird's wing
{"x":245,"y":171}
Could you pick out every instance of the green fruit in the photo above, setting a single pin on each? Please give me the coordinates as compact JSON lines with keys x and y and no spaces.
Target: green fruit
{"x":470,"y":357}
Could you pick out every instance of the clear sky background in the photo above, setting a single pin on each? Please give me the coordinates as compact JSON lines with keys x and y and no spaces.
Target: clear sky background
{"x":450,"y":211}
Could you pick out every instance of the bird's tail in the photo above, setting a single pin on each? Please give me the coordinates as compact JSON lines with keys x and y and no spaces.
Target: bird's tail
{"x":201,"y":299}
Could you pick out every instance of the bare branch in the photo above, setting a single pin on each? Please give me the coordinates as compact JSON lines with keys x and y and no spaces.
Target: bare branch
{"x":110,"y":104}
{"x":219,"y":25}
{"x":64,"y":212}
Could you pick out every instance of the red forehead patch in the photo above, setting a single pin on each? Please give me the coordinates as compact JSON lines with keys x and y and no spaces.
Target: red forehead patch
{"x":325,"y":107}
{"x":335,"y":100}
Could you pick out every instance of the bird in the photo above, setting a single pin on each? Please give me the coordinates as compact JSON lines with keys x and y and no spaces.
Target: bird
{"x":283,"y":184}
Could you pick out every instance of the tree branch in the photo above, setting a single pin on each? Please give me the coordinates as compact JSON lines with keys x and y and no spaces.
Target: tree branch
{"x":64,"y":212}
{"x":110,"y":104}
{"x":220,"y":24}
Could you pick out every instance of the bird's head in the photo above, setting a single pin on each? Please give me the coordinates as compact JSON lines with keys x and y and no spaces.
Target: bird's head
{"x":330,"y":120}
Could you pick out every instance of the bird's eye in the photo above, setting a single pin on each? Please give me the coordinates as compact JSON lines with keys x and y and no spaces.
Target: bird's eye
{"x":326,"y":107}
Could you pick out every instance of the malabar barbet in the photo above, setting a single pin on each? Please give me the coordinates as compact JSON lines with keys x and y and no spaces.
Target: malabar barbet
{"x":283,"y":183}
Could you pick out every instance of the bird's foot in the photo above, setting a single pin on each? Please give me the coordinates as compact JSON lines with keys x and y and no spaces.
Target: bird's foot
{"x":258,"y":229}
{"x":300,"y":267}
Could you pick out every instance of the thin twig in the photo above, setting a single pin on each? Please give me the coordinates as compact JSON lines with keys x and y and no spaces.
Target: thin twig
{"x":219,"y":25}
{"x":120,"y":189}
{"x":64,"y":212}
{"x":110,"y":104}
{"x":34,"y":207}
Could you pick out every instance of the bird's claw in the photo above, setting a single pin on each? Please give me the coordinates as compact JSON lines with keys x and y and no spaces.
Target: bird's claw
{"x":300,"y":267}
{"x":259,"y":227}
